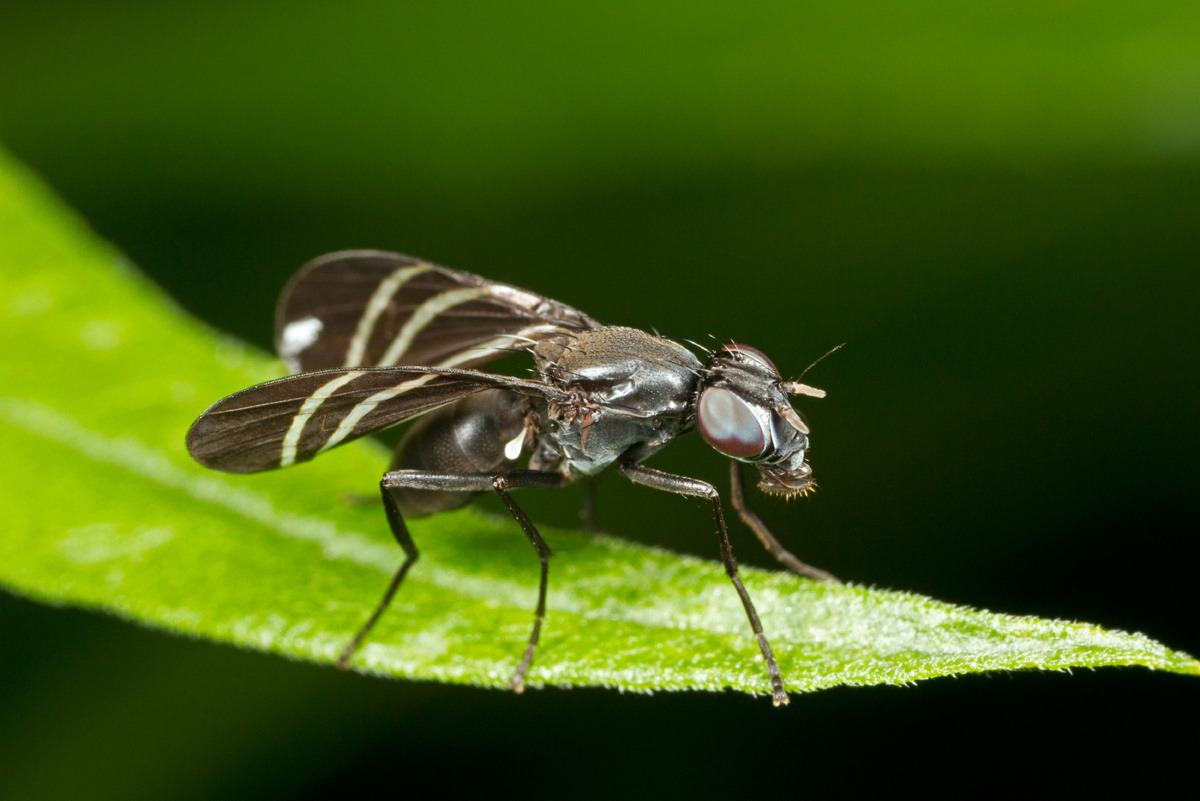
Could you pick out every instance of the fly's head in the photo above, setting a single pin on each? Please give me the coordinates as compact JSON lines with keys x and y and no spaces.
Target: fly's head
{"x":743,"y":411}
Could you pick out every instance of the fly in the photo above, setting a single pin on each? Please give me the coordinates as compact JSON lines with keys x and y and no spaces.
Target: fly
{"x":378,"y":338}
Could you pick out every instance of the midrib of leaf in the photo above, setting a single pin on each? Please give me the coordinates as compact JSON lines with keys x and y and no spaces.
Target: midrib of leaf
{"x":108,"y":511}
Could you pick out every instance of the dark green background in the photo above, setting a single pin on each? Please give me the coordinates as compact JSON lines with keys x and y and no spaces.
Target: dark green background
{"x":997,"y":206}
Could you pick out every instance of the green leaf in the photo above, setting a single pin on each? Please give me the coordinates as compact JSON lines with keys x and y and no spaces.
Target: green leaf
{"x":105,"y":509}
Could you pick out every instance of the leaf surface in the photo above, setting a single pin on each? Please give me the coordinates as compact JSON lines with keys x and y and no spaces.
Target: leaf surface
{"x":101,"y":378}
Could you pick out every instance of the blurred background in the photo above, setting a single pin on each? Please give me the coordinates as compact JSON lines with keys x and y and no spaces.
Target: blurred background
{"x":996,"y":206}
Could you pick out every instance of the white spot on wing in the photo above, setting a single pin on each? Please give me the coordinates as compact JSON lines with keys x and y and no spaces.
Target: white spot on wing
{"x":298,"y":336}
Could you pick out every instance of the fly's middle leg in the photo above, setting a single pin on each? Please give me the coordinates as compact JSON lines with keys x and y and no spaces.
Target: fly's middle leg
{"x":501,"y":483}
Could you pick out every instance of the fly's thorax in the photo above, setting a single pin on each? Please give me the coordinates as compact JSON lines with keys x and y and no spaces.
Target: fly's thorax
{"x":605,"y":355}
{"x":743,"y":410}
{"x":625,"y":388}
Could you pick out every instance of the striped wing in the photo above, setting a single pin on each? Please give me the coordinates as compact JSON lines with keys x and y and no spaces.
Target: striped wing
{"x":291,"y":420}
{"x":371,"y":308}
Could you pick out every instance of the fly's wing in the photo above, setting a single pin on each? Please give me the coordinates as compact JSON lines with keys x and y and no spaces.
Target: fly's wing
{"x":371,"y":308}
{"x":291,"y":420}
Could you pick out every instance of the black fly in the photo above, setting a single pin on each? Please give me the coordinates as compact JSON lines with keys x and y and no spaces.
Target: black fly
{"x":381,"y":338}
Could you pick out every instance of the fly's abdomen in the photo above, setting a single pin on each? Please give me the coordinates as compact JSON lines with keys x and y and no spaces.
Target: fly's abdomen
{"x":468,"y":436}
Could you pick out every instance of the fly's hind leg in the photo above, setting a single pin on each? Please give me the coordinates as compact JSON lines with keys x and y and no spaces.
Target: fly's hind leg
{"x":501,"y":483}
{"x":400,"y":532}
{"x":785,"y":557}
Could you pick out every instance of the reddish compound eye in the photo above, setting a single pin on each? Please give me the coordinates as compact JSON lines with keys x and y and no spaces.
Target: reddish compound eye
{"x":728,"y":424}
{"x":754,"y":353}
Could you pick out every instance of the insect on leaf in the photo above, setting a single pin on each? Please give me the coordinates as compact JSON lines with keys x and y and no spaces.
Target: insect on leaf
{"x":105,"y":509}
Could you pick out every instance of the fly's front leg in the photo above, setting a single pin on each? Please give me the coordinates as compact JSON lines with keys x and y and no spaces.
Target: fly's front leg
{"x":702,"y":489}
{"x":738,"y":497}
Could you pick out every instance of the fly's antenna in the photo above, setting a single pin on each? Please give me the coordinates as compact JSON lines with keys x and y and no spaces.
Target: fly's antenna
{"x":796,"y":388}
{"x":829,"y":352}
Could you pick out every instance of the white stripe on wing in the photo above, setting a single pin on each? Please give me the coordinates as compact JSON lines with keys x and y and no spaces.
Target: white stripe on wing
{"x":313,"y":402}
{"x":364,"y":407}
{"x":423,"y":316}
{"x":379,"y":301}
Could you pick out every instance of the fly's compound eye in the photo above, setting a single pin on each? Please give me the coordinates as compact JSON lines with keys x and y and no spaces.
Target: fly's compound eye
{"x":728,"y":424}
